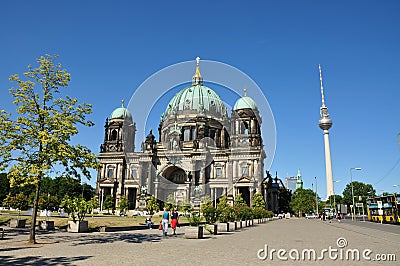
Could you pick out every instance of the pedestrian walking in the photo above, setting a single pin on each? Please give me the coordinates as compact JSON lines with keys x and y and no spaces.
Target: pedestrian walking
{"x":339,"y":217}
{"x":174,"y":220}
{"x":165,"y":221}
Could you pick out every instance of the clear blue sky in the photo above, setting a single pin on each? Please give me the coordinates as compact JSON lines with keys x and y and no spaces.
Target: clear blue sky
{"x":111,"y":47}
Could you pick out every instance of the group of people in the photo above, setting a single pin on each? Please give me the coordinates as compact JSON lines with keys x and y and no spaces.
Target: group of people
{"x":328,"y":216}
{"x":165,"y":221}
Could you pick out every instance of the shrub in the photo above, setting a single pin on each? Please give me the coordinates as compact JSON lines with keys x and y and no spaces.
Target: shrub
{"x":194,"y":219}
{"x":48,"y":202}
{"x":152,"y":205}
{"x":209,"y":213}
{"x":77,"y":207}
{"x":108,"y":203}
{"x":123,"y":204}
{"x":19,"y":201}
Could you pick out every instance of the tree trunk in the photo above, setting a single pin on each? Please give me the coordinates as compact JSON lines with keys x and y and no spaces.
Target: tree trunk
{"x":32,"y":236}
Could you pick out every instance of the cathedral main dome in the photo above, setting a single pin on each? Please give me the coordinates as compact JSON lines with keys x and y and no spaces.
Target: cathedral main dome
{"x":196,"y":99}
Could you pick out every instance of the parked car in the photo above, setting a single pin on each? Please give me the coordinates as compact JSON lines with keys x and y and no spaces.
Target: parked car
{"x":311,"y":216}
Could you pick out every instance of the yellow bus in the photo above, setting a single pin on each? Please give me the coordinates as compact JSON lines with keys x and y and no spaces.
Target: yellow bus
{"x":384,"y":209}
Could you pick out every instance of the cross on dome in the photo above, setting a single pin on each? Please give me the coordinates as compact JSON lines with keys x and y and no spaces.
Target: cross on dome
{"x":197,"y":79}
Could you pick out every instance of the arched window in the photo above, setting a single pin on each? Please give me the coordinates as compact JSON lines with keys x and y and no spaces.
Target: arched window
{"x":134,"y":173}
{"x":186,"y":134}
{"x":114,"y":134}
{"x":110,"y":172}
{"x":245,"y":170}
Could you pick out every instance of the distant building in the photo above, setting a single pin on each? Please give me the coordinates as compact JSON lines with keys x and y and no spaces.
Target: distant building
{"x":290,"y":183}
{"x":299,"y":183}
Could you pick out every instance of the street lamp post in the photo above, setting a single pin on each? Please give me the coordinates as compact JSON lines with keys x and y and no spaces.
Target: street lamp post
{"x":353,"y":213}
{"x":334,"y":198}
{"x":316,"y":194}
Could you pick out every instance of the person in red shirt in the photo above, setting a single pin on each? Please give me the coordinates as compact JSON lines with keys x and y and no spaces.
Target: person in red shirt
{"x":174,"y":221}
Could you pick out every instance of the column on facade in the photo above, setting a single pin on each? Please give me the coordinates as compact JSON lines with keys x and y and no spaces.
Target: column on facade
{"x":251,"y":195}
{"x":139,"y":174}
{"x":223,"y":137}
{"x":149,"y":174}
{"x":204,"y":174}
{"x":235,"y":170}
{"x":101,"y":198}
{"x":156,"y":189}
{"x":119,"y":180}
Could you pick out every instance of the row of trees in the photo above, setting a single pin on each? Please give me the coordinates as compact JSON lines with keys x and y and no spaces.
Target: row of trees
{"x":52,"y":191}
{"x":304,"y":200}
{"x":223,"y":212}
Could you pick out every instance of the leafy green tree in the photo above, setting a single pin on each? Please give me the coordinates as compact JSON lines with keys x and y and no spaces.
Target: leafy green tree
{"x":123,"y":204}
{"x":4,"y":186}
{"x":185,"y":206}
{"x":258,"y":201}
{"x":239,"y":201}
{"x":208,"y":210}
{"x":108,"y":203}
{"x":87,"y":191}
{"x":19,"y":201}
{"x":194,"y":219}
{"x":171,"y":202}
{"x":360,"y":189}
{"x":67,"y":185}
{"x":332,"y":199}
{"x":48,"y":202}
{"x":223,"y":202}
{"x":224,"y":211}
{"x":152,"y":205}
{"x":38,"y":139}
{"x":93,"y":203}
{"x":77,"y":207}
{"x":303,"y":201}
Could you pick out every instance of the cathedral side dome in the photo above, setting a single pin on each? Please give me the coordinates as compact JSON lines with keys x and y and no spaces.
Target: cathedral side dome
{"x":245,"y":103}
{"x":120,"y":112}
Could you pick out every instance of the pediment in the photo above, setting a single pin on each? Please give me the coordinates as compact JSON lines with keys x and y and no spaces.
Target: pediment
{"x":244,"y":179}
{"x":132,"y":182}
{"x":106,"y":181}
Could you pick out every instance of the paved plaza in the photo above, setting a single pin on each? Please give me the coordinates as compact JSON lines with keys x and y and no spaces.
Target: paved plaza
{"x":243,"y":247}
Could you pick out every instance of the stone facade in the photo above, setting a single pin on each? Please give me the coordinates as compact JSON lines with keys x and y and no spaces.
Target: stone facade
{"x":200,"y":151}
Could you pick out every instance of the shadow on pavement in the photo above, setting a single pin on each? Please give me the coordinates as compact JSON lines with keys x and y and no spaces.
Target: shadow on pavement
{"x":88,"y":239}
{"x":37,"y":260}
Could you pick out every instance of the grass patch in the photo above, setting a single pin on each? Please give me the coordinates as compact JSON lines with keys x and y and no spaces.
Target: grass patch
{"x":94,"y":222}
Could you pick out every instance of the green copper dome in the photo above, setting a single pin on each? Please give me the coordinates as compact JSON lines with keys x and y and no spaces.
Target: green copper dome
{"x":245,"y":103}
{"x":120,"y":112}
{"x":197,"y":99}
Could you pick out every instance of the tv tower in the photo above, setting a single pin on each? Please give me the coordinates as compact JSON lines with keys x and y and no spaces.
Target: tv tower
{"x":325,"y":123}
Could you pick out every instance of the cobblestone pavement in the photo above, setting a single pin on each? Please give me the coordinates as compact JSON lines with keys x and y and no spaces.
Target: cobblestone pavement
{"x":149,"y":247}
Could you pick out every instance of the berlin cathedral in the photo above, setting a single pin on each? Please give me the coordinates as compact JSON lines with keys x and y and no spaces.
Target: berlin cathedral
{"x":200,"y":150}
